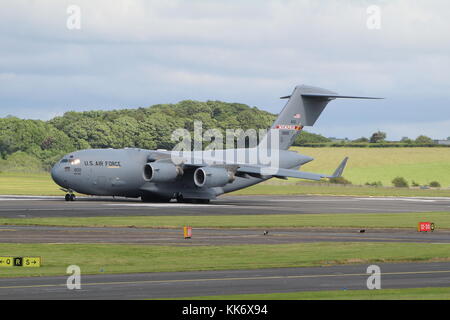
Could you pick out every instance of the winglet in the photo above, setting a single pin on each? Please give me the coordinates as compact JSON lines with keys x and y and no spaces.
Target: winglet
{"x":340,"y":169}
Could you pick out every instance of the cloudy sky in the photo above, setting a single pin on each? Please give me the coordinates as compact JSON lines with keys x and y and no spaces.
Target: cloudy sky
{"x":134,"y":53}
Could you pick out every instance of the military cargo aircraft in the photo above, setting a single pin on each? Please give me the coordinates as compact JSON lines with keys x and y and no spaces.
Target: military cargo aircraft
{"x":198,"y":176}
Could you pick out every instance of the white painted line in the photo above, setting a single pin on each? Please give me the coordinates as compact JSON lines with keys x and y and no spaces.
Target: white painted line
{"x":167,"y":205}
{"x":26,"y":199}
{"x":12,"y":196}
{"x":380,"y":210}
{"x":315,"y":200}
{"x":399,"y":199}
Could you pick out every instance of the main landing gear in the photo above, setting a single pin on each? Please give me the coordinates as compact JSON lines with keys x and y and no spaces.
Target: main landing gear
{"x":181,"y":199}
{"x":70,"y":197}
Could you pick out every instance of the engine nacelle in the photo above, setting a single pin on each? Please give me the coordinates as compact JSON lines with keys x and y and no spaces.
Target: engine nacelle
{"x":212,"y":177}
{"x":161,"y":172}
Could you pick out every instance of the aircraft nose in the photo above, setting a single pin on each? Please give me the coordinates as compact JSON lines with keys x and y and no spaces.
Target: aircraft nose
{"x":55,"y":175}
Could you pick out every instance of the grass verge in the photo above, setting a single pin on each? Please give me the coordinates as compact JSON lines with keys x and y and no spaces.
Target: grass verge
{"x":270,"y":188}
{"x":41,"y":184}
{"x":342,"y":220}
{"x":384,"y":294}
{"x":34,"y":184}
{"x":106,"y":258}
{"x":421,"y":165}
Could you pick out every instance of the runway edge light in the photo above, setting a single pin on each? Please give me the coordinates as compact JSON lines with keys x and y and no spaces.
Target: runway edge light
{"x":187,"y":232}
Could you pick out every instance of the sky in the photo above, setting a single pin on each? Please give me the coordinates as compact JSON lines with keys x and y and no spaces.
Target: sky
{"x":136,"y":53}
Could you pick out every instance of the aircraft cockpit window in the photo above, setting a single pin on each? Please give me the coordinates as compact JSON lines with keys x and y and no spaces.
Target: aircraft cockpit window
{"x":64,"y":160}
{"x":75,"y":162}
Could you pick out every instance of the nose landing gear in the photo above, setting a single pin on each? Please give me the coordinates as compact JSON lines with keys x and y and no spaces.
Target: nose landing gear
{"x":70,"y":197}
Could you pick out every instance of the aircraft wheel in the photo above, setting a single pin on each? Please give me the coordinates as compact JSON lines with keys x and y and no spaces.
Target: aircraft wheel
{"x":72,"y":197}
{"x":154,"y":199}
{"x":67,"y":197}
{"x":180,"y":198}
{"x":200,"y":201}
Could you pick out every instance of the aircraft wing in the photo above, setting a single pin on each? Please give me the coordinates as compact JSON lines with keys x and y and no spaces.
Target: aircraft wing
{"x":261,"y":171}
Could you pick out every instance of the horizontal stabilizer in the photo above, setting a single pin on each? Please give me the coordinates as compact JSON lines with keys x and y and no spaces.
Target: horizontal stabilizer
{"x":330,"y":96}
{"x":334,"y":96}
{"x":267,"y":172}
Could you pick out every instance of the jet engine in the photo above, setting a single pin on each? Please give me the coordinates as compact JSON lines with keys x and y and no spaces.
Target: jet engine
{"x":161,"y":172}
{"x":212,"y":177}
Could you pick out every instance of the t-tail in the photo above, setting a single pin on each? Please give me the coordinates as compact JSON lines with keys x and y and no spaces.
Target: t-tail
{"x":303,"y":108}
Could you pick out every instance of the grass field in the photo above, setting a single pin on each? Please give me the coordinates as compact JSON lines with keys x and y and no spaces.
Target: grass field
{"x":42,"y":184}
{"x":28,"y":184}
{"x":274,"y":187}
{"x":106,"y":258}
{"x":350,"y":220}
{"x":383,"y":294}
{"x":422,"y":165}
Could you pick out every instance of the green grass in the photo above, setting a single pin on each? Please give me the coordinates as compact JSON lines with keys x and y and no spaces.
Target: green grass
{"x":383,"y":294}
{"x":107,"y":258}
{"x":342,"y":220}
{"x":422,"y":165}
{"x":28,"y":184}
{"x":276,"y":188}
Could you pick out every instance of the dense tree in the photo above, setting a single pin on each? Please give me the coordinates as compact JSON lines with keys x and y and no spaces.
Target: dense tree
{"x":307,"y":137}
{"x":361,"y":140}
{"x":406,"y":140}
{"x":148,"y":128}
{"x":424,"y":140}
{"x":378,"y":137}
{"x":44,"y":142}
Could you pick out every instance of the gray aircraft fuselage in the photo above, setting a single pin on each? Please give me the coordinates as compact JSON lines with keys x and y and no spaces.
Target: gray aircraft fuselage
{"x":120,"y":172}
{"x":157,"y":175}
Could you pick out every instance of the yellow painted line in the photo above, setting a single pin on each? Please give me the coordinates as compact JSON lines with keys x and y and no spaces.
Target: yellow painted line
{"x":229,"y":279}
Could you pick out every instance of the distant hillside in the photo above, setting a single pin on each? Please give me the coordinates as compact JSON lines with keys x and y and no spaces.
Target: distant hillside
{"x":31,"y":144}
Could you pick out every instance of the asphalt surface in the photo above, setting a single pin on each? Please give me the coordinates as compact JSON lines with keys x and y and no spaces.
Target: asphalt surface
{"x":29,"y":207}
{"x":191,"y":284}
{"x":210,"y":236}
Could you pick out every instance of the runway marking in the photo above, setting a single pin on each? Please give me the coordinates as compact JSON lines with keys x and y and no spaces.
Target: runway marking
{"x":226,"y":279}
{"x":400,"y":199}
{"x":167,"y":205}
{"x":314,"y":200}
{"x":62,"y":209}
{"x":25,"y":199}
{"x":381,"y":210}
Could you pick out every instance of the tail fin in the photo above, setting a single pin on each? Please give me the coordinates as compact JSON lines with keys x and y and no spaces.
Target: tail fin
{"x":340,"y":170}
{"x":303,"y":108}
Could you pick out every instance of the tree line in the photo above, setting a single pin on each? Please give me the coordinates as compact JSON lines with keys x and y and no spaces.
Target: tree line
{"x":36,"y":144}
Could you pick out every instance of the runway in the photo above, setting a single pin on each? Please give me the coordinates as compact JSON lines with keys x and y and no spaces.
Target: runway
{"x":30,"y":207}
{"x":191,"y":284}
{"x":211,"y":236}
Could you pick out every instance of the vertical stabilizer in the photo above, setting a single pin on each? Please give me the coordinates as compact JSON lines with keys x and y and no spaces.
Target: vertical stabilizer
{"x":303,"y":108}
